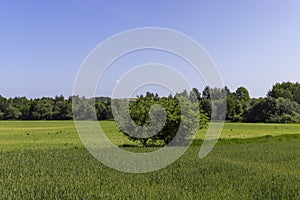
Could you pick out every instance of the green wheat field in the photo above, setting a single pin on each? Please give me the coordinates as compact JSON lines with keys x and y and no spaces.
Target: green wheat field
{"x":46,"y":160}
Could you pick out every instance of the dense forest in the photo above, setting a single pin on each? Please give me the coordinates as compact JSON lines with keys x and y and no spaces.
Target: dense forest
{"x":281,"y":105}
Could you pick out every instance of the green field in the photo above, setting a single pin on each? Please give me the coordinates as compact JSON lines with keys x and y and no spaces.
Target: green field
{"x":62,"y":134}
{"x":46,"y":160}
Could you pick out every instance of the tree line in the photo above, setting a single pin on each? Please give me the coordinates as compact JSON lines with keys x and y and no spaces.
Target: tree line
{"x":47,"y":108}
{"x":281,"y":105}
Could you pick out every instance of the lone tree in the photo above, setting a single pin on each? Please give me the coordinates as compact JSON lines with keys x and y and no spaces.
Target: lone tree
{"x":145,"y":120}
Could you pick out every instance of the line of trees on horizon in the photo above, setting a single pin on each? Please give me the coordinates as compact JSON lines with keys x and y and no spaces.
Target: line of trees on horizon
{"x":281,"y":105}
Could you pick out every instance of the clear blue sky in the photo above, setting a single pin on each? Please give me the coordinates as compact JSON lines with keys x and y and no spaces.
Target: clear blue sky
{"x":254,"y":43}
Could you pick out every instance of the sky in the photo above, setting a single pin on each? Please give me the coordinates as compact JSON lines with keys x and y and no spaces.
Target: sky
{"x":43,"y":43}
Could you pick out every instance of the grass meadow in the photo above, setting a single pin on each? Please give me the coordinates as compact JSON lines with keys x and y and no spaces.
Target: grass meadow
{"x":46,"y":160}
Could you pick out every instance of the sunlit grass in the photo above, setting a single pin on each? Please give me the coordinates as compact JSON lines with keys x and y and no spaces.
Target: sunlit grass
{"x":252,"y":130}
{"x":61,"y":134}
{"x":46,"y":160}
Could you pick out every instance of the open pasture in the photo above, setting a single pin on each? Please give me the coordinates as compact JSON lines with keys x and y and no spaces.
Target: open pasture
{"x":62,"y":134}
{"x":46,"y":160}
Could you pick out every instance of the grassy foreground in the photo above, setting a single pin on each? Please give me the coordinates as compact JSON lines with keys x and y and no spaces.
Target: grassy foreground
{"x":46,"y":160}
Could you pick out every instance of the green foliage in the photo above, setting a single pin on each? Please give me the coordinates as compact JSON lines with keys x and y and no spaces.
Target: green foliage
{"x":1,"y":115}
{"x":57,"y":108}
{"x":287,"y":90}
{"x":205,"y":105}
{"x":103,"y":109}
{"x":282,"y":105}
{"x":214,"y":97}
{"x":230,"y":99}
{"x":181,"y":115}
{"x":44,"y":108}
{"x":237,"y":118}
{"x":237,"y":104}
{"x":242,"y":94}
{"x":273,"y":111}
{"x":215,"y":93}
{"x":12,"y":112}
{"x":83,"y":108}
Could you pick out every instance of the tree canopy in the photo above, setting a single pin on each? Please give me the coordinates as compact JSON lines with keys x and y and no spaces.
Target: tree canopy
{"x":281,"y":105}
